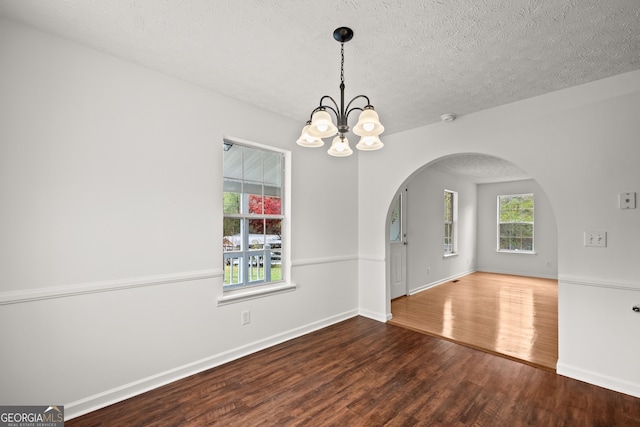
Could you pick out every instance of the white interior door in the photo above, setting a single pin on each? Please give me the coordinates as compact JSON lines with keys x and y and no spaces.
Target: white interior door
{"x":398,"y":246}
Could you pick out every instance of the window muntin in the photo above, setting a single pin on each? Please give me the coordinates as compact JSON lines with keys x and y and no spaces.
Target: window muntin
{"x":253,"y":216}
{"x":450,"y":221}
{"x":516,"y":223}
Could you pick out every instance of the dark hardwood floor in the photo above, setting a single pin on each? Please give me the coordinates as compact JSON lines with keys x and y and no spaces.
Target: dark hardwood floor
{"x":361,"y":372}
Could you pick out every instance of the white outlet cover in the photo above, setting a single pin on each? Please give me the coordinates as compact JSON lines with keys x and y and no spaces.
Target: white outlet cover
{"x":595,"y":239}
{"x":627,"y":200}
{"x":246,"y":317}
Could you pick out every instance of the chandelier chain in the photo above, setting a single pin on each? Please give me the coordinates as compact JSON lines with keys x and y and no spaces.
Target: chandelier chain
{"x":342,"y":63}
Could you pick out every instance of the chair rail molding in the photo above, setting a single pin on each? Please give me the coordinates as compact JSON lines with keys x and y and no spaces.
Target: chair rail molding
{"x":28,"y":295}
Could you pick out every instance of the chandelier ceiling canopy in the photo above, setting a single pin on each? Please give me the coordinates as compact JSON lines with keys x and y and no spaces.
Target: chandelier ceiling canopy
{"x":321,"y":125}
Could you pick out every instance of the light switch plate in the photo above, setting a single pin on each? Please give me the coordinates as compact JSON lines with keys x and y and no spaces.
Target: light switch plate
{"x":627,"y":200}
{"x":596,"y":239}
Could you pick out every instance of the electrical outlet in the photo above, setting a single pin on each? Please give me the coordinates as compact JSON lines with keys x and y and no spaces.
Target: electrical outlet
{"x":596,"y":239}
{"x":246,"y":317}
{"x":627,"y":200}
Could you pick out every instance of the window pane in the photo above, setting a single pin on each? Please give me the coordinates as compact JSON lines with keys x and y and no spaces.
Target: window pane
{"x":272,"y":205}
{"x":272,"y":168}
{"x":448,"y":233}
{"x":273,"y":230}
{"x":448,"y":206}
{"x":255,"y":204}
{"x":232,"y":162}
{"x":272,"y":190}
{"x":232,"y":270}
{"x":504,"y":200}
{"x":232,"y":240}
{"x":252,"y":164}
{"x":506,"y":230}
{"x":231,"y":185}
{"x":514,"y":244}
{"x":256,"y":233}
{"x":395,"y":225}
{"x":517,"y":230}
{"x":273,"y":270}
{"x":264,"y":205}
{"x":504,"y":243}
{"x":231,"y":203}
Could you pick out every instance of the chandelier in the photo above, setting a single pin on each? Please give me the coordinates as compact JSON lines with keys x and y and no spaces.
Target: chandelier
{"x":321,"y":125}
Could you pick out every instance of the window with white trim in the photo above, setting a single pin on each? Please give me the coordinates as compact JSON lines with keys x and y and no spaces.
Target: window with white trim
{"x":515,"y":223}
{"x":450,"y":221}
{"x":253,"y":207}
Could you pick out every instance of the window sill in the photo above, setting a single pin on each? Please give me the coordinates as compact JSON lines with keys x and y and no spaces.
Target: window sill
{"x":232,"y":297}
{"x":450,"y":255}
{"x":516,"y":252}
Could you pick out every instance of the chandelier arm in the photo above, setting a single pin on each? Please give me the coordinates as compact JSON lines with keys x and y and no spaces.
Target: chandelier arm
{"x":358,"y":97}
{"x":324,"y":107}
{"x":335,"y":104}
{"x":352,"y":109}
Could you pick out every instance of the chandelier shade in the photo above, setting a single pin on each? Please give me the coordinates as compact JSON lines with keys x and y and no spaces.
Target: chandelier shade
{"x":307,"y":140}
{"x":369,"y":143}
{"x":368,"y":123}
{"x":340,"y":147}
{"x":321,"y":124}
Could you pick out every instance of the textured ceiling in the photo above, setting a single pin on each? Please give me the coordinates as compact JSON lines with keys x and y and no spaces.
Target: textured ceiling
{"x":480,"y":168}
{"x":414,"y":59}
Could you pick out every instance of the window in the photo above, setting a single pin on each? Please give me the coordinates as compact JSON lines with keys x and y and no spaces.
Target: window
{"x":515,"y":223}
{"x":395,"y":226}
{"x":253,"y":202}
{"x":450,"y":221}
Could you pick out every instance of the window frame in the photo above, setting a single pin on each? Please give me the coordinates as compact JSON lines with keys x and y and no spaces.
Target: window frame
{"x":499,"y":222}
{"x":250,"y":290}
{"x":451,"y":225}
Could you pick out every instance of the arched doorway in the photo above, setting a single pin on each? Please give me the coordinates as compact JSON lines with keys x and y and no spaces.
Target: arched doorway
{"x":439,"y":252}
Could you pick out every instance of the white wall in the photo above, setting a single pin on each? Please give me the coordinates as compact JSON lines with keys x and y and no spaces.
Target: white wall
{"x":426,"y":265}
{"x":581,"y":146}
{"x":111,"y":224}
{"x":111,"y":189}
{"x":545,"y":261}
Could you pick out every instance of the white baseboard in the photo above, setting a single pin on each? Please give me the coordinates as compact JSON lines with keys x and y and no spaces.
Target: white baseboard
{"x":380,"y":317}
{"x":439,"y":282}
{"x":126,"y":391}
{"x":517,"y":273}
{"x":605,"y":381}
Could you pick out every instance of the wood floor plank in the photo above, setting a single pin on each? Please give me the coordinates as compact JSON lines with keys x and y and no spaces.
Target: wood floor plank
{"x":361,"y":372}
{"x":512,"y":316}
